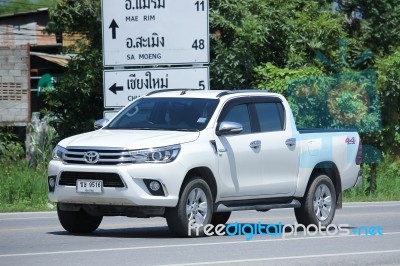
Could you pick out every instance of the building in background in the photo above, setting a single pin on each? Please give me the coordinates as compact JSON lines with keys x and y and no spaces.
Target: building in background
{"x":29,"y":60}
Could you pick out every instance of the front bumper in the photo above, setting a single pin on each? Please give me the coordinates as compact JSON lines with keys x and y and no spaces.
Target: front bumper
{"x":133,"y":193}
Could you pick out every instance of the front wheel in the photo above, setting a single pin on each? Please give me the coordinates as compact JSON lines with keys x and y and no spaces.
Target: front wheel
{"x":319,"y":205}
{"x":78,"y":222}
{"x":194,"y":209}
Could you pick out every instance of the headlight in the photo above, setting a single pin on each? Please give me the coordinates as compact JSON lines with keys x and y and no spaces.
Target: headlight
{"x":58,"y":153}
{"x":156,"y":155}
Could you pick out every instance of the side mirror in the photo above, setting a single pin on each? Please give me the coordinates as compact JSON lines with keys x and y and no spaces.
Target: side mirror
{"x":100,"y":123}
{"x":229,"y":128}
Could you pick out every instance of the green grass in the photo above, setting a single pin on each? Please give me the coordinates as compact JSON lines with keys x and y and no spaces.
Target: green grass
{"x":388,"y":183}
{"x":22,"y":188}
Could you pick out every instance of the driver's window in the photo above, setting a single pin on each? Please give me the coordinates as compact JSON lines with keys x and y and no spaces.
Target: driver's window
{"x":239,"y":114}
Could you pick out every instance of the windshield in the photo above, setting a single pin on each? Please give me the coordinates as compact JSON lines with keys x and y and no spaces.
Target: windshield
{"x":186,"y":114}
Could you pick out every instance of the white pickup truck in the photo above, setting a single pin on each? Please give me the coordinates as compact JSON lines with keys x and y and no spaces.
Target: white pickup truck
{"x":195,"y":156}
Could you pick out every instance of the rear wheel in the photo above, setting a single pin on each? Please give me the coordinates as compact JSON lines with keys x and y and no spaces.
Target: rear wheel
{"x":319,"y":204}
{"x":194,"y":207}
{"x":78,"y":222}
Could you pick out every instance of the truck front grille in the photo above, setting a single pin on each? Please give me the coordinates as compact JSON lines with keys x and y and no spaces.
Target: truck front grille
{"x":103,"y":156}
{"x":109,"y":179}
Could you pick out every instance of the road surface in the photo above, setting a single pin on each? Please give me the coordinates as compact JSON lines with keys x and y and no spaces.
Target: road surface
{"x":372,"y":237}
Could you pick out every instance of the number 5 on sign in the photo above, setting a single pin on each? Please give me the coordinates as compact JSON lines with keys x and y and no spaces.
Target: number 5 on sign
{"x":202,"y":86}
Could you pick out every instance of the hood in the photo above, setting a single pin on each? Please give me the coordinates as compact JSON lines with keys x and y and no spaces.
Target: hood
{"x":129,"y":139}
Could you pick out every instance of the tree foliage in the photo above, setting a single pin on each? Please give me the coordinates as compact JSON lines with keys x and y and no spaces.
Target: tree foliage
{"x":78,"y":99}
{"x":247,"y":34}
{"x":376,"y":23}
{"x":388,"y":70}
{"x":81,"y":17}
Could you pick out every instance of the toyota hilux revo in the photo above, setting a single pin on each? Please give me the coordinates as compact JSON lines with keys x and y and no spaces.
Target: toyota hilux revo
{"x":195,"y":156}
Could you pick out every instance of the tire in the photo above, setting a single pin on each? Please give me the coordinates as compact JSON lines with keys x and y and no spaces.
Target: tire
{"x":195,"y":204}
{"x":220,"y":218}
{"x":319,"y":204}
{"x":78,"y":222}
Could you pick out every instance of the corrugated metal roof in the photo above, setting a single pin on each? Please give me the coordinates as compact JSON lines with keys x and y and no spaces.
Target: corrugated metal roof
{"x":44,"y":9}
{"x":26,"y":28}
{"x":61,"y":60}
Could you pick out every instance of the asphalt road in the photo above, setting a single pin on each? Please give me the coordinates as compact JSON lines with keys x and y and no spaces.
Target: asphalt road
{"x":38,"y":239}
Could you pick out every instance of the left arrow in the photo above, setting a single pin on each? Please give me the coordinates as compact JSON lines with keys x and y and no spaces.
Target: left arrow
{"x":114,"y":27}
{"x":114,"y":88}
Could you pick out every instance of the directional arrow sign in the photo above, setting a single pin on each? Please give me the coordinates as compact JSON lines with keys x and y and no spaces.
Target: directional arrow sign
{"x":124,"y":86}
{"x":113,"y":27}
{"x":155,"y":32}
{"x":114,"y":88}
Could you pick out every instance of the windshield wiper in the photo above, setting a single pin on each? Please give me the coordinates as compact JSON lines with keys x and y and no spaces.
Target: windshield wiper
{"x":155,"y":128}
{"x":147,"y":128}
{"x":186,"y":129}
{"x":135,"y":128}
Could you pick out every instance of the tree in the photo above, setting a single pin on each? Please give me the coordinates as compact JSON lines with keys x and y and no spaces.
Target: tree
{"x":377,"y":23}
{"x":388,"y":69}
{"x":247,"y":34}
{"x":78,"y":98}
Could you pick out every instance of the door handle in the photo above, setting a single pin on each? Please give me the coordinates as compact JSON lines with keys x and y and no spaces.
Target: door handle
{"x":255,"y":144}
{"x":291,"y":142}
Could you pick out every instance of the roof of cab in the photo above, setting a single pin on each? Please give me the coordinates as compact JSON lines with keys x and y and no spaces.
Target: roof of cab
{"x":196,"y":93}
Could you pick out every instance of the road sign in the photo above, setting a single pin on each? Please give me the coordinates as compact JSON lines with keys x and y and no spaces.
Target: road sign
{"x":124,"y":86}
{"x":109,"y":114}
{"x":155,"y":32}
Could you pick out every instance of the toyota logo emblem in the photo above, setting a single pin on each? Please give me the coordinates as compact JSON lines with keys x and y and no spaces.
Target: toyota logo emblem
{"x":91,"y":156}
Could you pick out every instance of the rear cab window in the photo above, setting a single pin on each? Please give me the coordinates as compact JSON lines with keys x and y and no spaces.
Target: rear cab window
{"x":270,"y":116}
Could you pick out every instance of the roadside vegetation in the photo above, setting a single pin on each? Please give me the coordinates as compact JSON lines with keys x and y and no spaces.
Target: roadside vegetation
{"x":387,"y":183}
{"x":23,"y":175}
{"x":338,"y":64}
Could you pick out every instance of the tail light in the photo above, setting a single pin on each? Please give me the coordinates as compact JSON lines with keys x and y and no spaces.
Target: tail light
{"x":359,"y":153}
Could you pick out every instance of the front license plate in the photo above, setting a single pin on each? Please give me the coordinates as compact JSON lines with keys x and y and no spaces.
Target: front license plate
{"x":89,"y":186}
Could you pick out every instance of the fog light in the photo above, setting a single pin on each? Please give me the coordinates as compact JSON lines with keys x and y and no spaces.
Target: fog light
{"x":52,"y":183}
{"x":154,"y":185}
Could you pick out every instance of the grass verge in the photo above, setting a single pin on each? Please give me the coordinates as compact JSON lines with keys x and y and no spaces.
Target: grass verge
{"x":23,"y":188}
{"x":388,"y":183}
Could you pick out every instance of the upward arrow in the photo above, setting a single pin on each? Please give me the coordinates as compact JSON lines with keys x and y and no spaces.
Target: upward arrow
{"x":114,"y":88}
{"x":114,"y":27}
